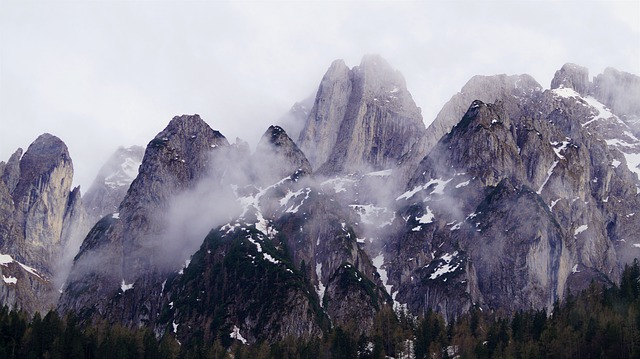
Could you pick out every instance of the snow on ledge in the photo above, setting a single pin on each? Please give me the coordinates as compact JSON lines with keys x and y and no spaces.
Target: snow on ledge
{"x":10,"y":280}
{"x":125,"y":287}
{"x":235,"y":334}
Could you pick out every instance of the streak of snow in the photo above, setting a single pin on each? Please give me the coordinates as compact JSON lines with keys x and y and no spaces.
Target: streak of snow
{"x":615,"y":163}
{"x":383,"y":173}
{"x":637,"y":245}
{"x":416,"y":229}
{"x":268,"y":257}
{"x":320,"y":288}
{"x":463,"y":184}
{"x":378,"y":262}
{"x":439,"y":186}
{"x":175,"y":326}
{"x":549,"y":173}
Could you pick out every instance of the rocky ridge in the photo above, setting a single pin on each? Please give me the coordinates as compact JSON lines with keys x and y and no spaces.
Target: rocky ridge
{"x":514,"y":196}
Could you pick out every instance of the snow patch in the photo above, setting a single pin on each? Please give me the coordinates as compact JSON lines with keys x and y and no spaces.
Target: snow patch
{"x":235,"y":334}
{"x":446,"y":267}
{"x":580,"y":229}
{"x":427,"y":217}
{"x":10,"y":280}
{"x":125,"y":287}
{"x":438,"y":188}
{"x":565,"y":92}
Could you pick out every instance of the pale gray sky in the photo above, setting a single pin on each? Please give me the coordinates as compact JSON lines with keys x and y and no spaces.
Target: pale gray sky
{"x":99,"y":74}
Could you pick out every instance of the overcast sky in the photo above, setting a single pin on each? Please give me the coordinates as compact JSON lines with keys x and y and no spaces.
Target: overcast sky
{"x":99,"y":74}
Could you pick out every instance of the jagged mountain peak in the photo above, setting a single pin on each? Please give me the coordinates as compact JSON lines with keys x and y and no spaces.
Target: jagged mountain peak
{"x":513,"y":90}
{"x":572,"y":76}
{"x":44,"y":155}
{"x":362,"y":119}
{"x":277,"y":156}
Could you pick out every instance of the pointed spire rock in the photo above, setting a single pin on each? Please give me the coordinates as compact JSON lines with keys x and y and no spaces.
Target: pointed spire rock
{"x":362,"y":119}
{"x":277,"y":157}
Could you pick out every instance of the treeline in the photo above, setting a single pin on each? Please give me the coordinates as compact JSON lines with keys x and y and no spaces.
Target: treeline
{"x":597,"y":323}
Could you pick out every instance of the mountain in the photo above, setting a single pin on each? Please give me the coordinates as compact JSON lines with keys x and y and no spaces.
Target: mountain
{"x":363,"y":119}
{"x":512,"y":198}
{"x":112,"y":182}
{"x":523,"y":201}
{"x":39,"y":213}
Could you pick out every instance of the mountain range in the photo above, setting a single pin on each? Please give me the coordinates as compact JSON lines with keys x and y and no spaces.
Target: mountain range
{"x":513,"y":197}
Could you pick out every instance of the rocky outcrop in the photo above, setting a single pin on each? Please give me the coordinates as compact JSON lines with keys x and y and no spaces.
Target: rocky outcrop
{"x":38,"y":213}
{"x":112,"y":182}
{"x":572,"y":76}
{"x":363,"y":119}
{"x":530,"y":194}
{"x":511,"y":90}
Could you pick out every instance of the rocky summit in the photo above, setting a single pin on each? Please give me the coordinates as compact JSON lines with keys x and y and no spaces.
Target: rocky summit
{"x":512,"y":198}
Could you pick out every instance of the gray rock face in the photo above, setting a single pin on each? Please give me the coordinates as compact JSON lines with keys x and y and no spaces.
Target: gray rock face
{"x":522,"y":200}
{"x":572,"y":76}
{"x":363,"y":119}
{"x":510,"y":89}
{"x":320,"y":132}
{"x":37,"y":213}
{"x":11,"y":171}
{"x":112,"y":182}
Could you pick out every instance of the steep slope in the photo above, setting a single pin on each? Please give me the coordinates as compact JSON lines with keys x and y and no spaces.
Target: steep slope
{"x":138,"y":244}
{"x":38,"y":214}
{"x":487,"y":89}
{"x":363,"y":119}
{"x":520,"y":201}
{"x":286,"y":242}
